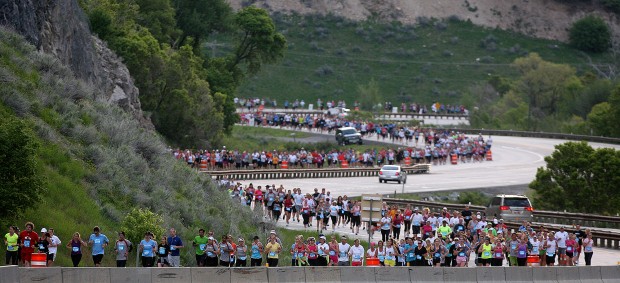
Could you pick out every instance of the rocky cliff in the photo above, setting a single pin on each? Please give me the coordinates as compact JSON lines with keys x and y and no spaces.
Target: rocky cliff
{"x":60,"y":27}
{"x":540,"y":18}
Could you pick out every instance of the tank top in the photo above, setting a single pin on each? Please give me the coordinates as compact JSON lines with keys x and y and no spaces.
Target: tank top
{"x":255,"y":252}
{"x":498,"y":252}
{"x":486,"y":251}
{"x":76,"y":248}
{"x":389,"y":253}
{"x":210,"y":251}
{"x":313,"y":252}
{"x":241,"y":254}
{"x":381,"y":254}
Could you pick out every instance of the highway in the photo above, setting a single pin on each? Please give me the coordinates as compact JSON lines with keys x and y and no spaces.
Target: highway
{"x":515,"y":161}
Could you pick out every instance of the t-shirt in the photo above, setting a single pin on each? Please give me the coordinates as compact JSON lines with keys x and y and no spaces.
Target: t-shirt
{"x":122,"y":249}
{"x":201,"y":244}
{"x":11,"y":242}
{"x":29,"y":240}
{"x":174,"y":241}
{"x":561,"y":238}
{"x":357,"y":253}
{"x":98,"y":242}
{"x":272,"y":249}
{"x":344,"y":250}
{"x":56,"y":242}
{"x":147,"y":248}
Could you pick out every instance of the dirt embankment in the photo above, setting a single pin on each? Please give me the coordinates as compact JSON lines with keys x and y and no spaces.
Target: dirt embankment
{"x":539,"y":18}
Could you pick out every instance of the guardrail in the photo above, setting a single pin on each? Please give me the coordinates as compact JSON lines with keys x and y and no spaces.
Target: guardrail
{"x":537,"y":135}
{"x":254,"y":174}
{"x":550,"y":219}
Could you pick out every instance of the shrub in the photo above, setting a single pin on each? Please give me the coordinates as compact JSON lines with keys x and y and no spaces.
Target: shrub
{"x":590,"y":34}
{"x":454,"y":40}
{"x":611,"y":5}
{"x":324,"y":70}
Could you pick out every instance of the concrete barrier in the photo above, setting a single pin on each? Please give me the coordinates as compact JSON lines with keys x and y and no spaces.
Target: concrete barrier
{"x":85,"y":274}
{"x":426,"y":274}
{"x":282,"y":274}
{"x":390,"y":274}
{"x":567,"y":274}
{"x":322,"y":274}
{"x":47,"y":275}
{"x":130,"y":275}
{"x":210,"y":274}
{"x":9,"y":274}
{"x":546,"y":275}
{"x":519,"y":274}
{"x":254,"y":274}
{"x":356,"y":274}
{"x":459,"y":275}
{"x":176,"y":275}
{"x":490,"y":274}
{"x":590,"y":274}
{"x":610,"y":274}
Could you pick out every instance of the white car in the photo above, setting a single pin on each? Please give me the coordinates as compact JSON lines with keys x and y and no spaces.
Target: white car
{"x":392,"y":173}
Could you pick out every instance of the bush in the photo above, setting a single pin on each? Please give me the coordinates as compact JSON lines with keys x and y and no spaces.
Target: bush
{"x":611,"y":5}
{"x":590,"y":34}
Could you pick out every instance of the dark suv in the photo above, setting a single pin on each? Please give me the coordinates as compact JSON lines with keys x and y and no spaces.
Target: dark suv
{"x":348,"y":135}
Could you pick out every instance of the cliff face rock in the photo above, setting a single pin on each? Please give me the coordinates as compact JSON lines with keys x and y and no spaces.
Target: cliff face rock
{"x":60,"y":27}
{"x":539,"y":18}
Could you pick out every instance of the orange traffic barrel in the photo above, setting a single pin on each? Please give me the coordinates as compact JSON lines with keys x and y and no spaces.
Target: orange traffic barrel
{"x":344,"y":164}
{"x":533,"y":260}
{"x":372,"y":261}
{"x":203,"y":165}
{"x":453,"y":159}
{"x":38,"y":260}
{"x":408,"y":161}
{"x":284,"y":164}
{"x":489,"y":155}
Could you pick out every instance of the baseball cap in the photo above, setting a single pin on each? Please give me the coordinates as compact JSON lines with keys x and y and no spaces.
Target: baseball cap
{"x":43,"y":230}
{"x":211,"y":238}
{"x":272,"y":232}
{"x":323,"y":237}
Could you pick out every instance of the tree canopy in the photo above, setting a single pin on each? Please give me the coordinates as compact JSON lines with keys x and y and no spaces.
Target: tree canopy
{"x":590,"y":34}
{"x":579,"y":178}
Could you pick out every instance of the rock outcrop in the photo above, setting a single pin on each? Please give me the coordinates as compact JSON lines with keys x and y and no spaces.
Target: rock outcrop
{"x":60,"y":27}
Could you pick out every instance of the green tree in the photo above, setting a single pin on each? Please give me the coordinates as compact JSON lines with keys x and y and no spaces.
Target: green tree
{"x":590,"y":34}
{"x":579,"y":178}
{"x":21,"y":185}
{"x":370,"y":96}
{"x":158,"y":17}
{"x":139,"y":221}
{"x":599,"y":121}
{"x":199,"y":18}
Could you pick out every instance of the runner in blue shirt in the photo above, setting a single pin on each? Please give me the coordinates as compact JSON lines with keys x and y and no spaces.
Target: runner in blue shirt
{"x":98,"y":242}
{"x":175,"y":243}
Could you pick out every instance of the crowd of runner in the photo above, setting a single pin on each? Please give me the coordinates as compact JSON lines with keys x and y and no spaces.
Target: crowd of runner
{"x":437,"y":149}
{"x":409,"y":237}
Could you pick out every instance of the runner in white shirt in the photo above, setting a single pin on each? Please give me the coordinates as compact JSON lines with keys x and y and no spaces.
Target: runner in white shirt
{"x":343,"y":256}
{"x":299,"y":199}
{"x":561,"y":237}
{"x":357,"y":254}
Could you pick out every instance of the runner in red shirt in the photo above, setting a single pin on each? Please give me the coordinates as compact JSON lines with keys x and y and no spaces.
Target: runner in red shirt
{"x":28,"y":239}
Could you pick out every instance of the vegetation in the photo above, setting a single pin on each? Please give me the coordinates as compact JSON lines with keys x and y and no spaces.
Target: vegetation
{"x":590,"y":34}
{"x":98,"y":162}
{"x":578,"y":178}
{"x":139,"y":221}
{"x":188,"y":95}
{"x":329,"y":57}
{"x":20,"y":182}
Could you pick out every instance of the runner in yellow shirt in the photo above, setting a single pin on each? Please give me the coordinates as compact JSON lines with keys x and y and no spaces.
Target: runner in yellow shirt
{"x":272,"y":250}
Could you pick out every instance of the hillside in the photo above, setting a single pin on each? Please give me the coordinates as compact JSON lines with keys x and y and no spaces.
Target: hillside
{"x":548,"y":19}
{"x":97,"y":161}
{"x":329,"y":57}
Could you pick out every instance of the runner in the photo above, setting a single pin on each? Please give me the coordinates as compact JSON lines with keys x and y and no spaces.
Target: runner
{"x":257,"y":251}
{"x":122,"y":248}
{"x":391,"y":252}
{"x":44,"y":243}
{"x":420,"y":254}
{"x":550,"y":247}
{"x":76,"y":245}
{"x":498,"y":253}
{"x":356,"y":252}
{"x":200,"y":242}
{"x":289,"y":205}
{"x":28,"y":238}
{"x":224,"y":251}
{"x":356,"y":218}
{"x":587,"y":248}
{"x":98,"y":242}
{"x":323,"y":251}
{"x":175,"y":242}
{"x":272,"y":250}
{"x":53,"y":247}
{"x":462,"y":252}
{"x":11,"y":240}
{"x":241,"y":253}
{"x":147,"y":249}
{"x":522,"y":252}
{"x":333,"y":252}
{"x":571,"y":249}
{"x":343,"y":252}
{"x":561,"y":237}
{"x":210,"y":252}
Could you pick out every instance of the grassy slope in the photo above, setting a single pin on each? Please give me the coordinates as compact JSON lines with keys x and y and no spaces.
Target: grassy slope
{"x":98,"y":162}
{"x":329,"y":57}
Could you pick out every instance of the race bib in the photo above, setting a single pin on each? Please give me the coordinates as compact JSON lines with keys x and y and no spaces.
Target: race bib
{"x":437,"y":255}
{"x":97,"y":241}
{"x":41,"y":246}
{"x":535,"y":250}
{"x":272,"y":254}
{"x":202,"y":247}
{"x":332,"y":253}
{"x":232,"y":258}
{"x":486,"y":254}
{"x":121,"y":247}
{"x":162,"y":250}
{"x":462,"y":254}
{"x":550,"y":253}
{"x":27,"y":243}
{"x":357,"y":258}
{"x":288,"y":209}
{"x":410,"y":255}
{"x":588,"y":249}
{"x":419,"y":257}
{"x":407,"y":217}
{"x":312,"y":255}
{"x":381,"y":258}
{"x":172,"y":248}
{"x":343,"y":254}
{"x":76,"y":249}
{"x":210,"y":254}
{"x":569,"y":249}
{"x":10,"y":248}
{"x":522,"y":253}
{"x":389,"y":257}
{"x":146,"y":252}
{"x":513,"y":247}
{"x":499,"y":255}
{"x":242,"y":258}
{"x":397,"y":226}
